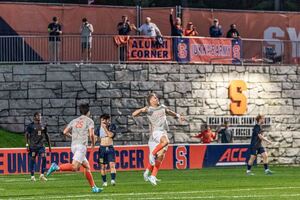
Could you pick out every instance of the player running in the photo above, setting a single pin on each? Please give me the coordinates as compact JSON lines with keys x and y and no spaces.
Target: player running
{"x":105,"y":133}
{"x":36,"y":133}
{"x":256,"y":146}
{"x":79,"y":130}
{"x":158,"y":141}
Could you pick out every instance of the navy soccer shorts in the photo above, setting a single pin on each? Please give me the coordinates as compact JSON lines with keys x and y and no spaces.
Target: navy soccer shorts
{"x":106,"y":154}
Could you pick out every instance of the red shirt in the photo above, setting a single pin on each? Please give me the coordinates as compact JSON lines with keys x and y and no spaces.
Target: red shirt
{"x":207,"y":136}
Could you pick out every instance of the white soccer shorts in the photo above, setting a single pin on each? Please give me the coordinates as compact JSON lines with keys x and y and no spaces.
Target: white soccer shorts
{"x":79,"y":152}
{"x":154,"y":139}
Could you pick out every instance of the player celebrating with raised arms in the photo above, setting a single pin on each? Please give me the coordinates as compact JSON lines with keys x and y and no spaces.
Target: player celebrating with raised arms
{"x":105,"y":133}
{"x":79,"y":130}
{"x":36,"y":133}
{"x":158,"y":141}
{"x":256,"y":146}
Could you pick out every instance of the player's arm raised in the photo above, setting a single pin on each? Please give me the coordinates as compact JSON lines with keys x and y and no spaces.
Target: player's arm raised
{"x":174,"y":114}
{"x":139,"y":111}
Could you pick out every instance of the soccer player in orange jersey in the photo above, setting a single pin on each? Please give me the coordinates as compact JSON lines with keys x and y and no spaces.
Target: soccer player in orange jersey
{"x":158,"y":141}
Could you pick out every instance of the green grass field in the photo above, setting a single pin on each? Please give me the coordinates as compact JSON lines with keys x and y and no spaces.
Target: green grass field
{"x":10,"y":139}
{"x":213,"y":183}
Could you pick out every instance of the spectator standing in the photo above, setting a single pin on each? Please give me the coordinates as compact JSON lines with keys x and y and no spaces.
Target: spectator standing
{"x":215,"y":30}
{"x":54,"y":30}
{"x":124,"y":27}
{"x":86,"y":30}
{"x":206,"y":136}
{"x":148,"y":28}
{"x":226,"y":134}
{"x":233,"y":32}
{"x":176,"y":28}
{"x":190,"y":30}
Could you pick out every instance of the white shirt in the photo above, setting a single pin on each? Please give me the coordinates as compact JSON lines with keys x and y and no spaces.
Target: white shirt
{"x":149,"y":30}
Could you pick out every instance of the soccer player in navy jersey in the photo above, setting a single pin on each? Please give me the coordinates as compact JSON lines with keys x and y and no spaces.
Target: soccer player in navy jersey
{"x":256,"y":146}
{"x":36,"y":134}
{"x":107,"y":156}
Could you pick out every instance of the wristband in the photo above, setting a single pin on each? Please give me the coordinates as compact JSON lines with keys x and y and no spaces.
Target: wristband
{"x":178,"y":115}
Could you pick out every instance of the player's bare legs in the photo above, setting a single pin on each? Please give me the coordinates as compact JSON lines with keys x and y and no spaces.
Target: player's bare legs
{"x":154,"y":169}
{"x":44,"y":162}
{"x":113,"y":172}
{"x":250,"y":163}
{"x":103,"y":174}
{"x":164,"y":141}
{"x":266,"y":161}
{"x":88,"y":173}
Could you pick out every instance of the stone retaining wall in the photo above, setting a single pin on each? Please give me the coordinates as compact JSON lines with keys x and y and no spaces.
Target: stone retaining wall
{"x":197,"y":91}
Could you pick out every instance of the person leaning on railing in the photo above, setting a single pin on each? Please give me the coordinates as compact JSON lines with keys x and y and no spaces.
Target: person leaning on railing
{"x":123,"y":29}
{"x":215,"y":30}
{"x":124,"y":26}
{"x":176,"y":28}
{"x":190,"y":30}
{"x":233,"y":32}
{"x":54,"y":30}
{"x":148,"y":28}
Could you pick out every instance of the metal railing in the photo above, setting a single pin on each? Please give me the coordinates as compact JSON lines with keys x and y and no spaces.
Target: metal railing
{"x":39,"y":49}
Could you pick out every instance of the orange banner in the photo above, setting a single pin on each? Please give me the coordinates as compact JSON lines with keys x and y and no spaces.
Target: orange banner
{"x":147,"y":49}
{"x":205,"y":50}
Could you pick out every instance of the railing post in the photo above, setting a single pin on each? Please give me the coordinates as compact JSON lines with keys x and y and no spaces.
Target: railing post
{"x":23,"y":50}
{"x":138,"y":17}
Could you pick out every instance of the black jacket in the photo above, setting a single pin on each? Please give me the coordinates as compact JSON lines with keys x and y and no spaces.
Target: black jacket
{"x":175,"y":31}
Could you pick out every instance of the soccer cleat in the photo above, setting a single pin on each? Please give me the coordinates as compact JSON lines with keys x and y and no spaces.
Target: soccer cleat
{"x":268,"y":172}
{"x":95,"y":189}
{"x":156,"y":179}
{"x":52,"y":169}
{"x":249,"y":173}
{"x":151,"y":159}
{"x":104,"y":184}
{"x":145,"y":176}
{"x":43,"y":178}
{"x":33,"y":178}
{"x":113,"y":182}
{"x":152,"y":180}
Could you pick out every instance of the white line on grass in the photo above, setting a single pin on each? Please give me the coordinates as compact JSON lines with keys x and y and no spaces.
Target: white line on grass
{"x":165,"y":193}
{"x":223,"y":196}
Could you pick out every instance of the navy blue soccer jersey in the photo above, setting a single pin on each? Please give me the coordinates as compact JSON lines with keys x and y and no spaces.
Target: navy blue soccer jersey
{"x":100,"y":132}
{"x":255,"y":140}
{"x":36,"y":134}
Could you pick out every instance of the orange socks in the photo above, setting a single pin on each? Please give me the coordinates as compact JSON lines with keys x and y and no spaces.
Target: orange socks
{"x":66,"y":167}
{"x":90,"y":178}
{"x":156,"y":168}
{"x":157,"y":149}
{"x":150,"y":167}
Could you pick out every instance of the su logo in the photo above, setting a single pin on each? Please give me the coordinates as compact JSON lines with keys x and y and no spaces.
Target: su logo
{"x":238,"y":104}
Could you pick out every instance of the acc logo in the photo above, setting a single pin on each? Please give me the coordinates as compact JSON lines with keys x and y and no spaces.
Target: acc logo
{"x":238,"y":105}
{"x":182,"y":50}
{"x":234,"y":155}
